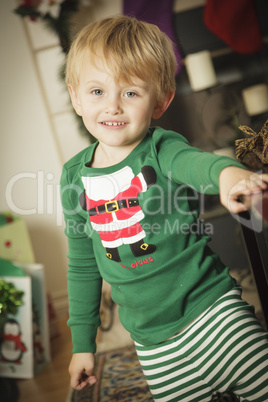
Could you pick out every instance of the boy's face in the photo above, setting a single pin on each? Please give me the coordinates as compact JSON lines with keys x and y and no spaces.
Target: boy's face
{"x":118,"y":114}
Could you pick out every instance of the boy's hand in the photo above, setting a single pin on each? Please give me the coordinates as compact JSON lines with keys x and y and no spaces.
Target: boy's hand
{"x":234,"y":182}
{"x":81,"y":370}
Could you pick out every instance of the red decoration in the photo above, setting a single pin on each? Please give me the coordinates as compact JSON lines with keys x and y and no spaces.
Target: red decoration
{"x":236,"y":23}
{"x":31,"y":3}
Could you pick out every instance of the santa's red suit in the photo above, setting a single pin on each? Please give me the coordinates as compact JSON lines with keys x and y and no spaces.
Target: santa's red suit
{"x":113,"y":206}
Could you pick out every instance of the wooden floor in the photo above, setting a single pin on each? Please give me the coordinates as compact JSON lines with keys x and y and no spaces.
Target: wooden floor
{"x":52,"y":383}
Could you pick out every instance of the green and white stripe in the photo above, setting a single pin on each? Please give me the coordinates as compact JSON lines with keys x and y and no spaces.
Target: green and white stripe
{"x":224,"y":349}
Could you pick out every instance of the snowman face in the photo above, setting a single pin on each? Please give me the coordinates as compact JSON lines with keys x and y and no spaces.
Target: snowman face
{"x":12,"y":328}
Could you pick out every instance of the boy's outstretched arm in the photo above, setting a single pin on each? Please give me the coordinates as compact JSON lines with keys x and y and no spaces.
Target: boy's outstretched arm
{"x":81,"y":370}
{"x":235,"y":182}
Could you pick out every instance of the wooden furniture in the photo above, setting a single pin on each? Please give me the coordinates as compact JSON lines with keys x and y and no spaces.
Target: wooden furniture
{"x":254,"y":224}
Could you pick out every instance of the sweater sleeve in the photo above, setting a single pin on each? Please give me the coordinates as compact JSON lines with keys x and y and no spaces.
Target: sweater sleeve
{"x":185,"y":164}
{"x":84,"y":280}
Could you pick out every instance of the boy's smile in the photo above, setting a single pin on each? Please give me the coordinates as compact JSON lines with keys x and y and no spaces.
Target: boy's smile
{"x":113,"y":123}
{"x":117,"y":114}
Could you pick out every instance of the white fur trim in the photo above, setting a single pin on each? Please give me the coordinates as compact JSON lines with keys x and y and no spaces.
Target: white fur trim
{"x":134,"y":239}
{"x":112,"y":244}
{"x":124,"y":240}
{"x":143,"y":182}
{"x":106,"y":187}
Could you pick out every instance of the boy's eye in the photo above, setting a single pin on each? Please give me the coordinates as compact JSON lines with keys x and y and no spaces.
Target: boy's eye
{"x":97,"y":92}
{"x":130,"y":94}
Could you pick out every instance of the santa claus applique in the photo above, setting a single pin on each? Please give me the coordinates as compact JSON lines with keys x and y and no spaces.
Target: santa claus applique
{"x":114,"y":211}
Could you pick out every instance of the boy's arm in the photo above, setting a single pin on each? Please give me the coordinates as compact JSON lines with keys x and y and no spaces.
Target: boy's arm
{"x":235,"y":182}
{"x":84,"y":289}
{"x":84,"y":293}
{"x":184,"y":164}
{"x":84,"y":279}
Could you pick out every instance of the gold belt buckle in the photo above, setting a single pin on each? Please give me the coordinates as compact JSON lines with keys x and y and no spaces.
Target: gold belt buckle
{"x":114,"y":206}
{"x":144,"y":246}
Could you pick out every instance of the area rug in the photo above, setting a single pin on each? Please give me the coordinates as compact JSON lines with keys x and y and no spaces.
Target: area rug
{"x":120,"y":379}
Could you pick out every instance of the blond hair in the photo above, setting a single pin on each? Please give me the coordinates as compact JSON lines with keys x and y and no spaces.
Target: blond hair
{"x":131,"y":48}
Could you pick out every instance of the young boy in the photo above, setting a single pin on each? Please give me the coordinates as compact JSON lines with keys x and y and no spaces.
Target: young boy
{"x":131,"y":203}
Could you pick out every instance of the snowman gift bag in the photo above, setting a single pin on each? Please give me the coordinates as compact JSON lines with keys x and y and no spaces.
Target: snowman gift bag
{"x":24,"y":340}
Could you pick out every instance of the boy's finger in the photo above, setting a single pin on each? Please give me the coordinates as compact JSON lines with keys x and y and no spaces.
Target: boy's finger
{"x":81,"y":384}
{"x":88,"y":380}
{"x":91,"y":380}
{"x":235,"y":206}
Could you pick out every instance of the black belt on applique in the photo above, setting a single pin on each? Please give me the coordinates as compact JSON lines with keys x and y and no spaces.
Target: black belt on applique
{"x":113,"y":206}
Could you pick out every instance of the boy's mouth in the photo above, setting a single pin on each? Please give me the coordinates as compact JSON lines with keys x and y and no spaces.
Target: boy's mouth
{"x":113,"y":123}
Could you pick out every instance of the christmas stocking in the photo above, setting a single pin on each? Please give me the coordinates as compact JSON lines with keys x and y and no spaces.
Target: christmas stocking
{"x":156,"y":12}
{"x":236,"y":23}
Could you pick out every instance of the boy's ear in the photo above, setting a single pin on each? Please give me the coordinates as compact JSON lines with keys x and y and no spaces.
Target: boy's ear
{"x":162,"y":105}
{"x":75,"y":100}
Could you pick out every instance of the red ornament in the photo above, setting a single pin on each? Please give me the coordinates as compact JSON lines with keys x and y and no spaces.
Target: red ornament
{"x":31,"y":3}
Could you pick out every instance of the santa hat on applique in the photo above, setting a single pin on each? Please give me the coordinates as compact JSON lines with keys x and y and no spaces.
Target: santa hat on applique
{"x":235,"y":22}
{"x":156,"y":12}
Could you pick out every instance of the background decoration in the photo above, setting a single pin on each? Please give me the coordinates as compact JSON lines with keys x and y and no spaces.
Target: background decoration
{"x":252,"y":150}
{"x":10,"y":301}
{"x":56,"y":14}
{"x":255,"y":99}
{"x":156,"y":12}
{"x":15,"y":242}
{"x":10,"y":298}
{"x":236,"y":23}
{"x":24,"y":333}
{"x":200,"y":70}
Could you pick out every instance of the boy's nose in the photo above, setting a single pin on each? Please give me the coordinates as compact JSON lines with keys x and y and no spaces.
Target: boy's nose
{"x":114,"y":106}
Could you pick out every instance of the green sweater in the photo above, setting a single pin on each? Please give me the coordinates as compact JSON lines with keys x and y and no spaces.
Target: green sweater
{"x":134,"y":224}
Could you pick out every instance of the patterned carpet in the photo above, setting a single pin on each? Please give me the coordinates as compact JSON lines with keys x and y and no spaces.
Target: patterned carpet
{"x":119,"y":372}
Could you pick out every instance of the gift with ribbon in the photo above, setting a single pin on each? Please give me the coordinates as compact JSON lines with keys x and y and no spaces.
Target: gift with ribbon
{"x":24,"y":333}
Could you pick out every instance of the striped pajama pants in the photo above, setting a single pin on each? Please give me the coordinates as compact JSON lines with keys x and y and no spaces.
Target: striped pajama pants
{"x":223,"y":349}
